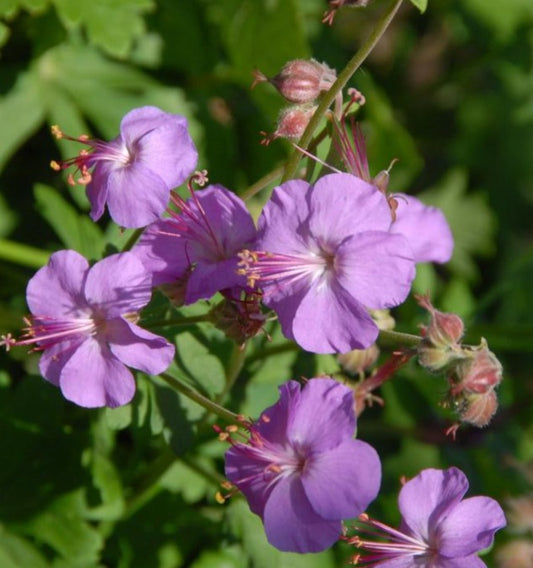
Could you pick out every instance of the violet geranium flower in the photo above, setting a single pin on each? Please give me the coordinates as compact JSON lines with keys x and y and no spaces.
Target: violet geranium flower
{"x":84,"y":322}
{"x":301,"y":471}
{"x":324,"y":256}
{"x":134,"y":173}
{"x":199,"y":243}
{"x":439,"y":528}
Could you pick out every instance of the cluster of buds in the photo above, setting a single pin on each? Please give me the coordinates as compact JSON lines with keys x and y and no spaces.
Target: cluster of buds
{"x":300,"y":82}
{"x":473,"y":372}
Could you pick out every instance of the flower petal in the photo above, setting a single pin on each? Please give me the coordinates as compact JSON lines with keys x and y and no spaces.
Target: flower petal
{"x":323,"y":416}
{"x":470,"y":526}
{"x":376,"y":268}
{"x":168,"y":150}
{"x":93,"y":377}
{"x":118,"y":284}
{"x":57,"y":289}
{"x":330,"y":320}
{"x":207,"y":279}
{"x":98,"y":190}
{"x":282,"y":217}
{"x":291,"y":525}
{"x":429,"y":496}
{"x":163,"y":251}
{"x":342,"y":482}
{"x":425,"y":228}
{"x":343,"y":204}
{"x":137,"y":196}
{"x":55,"y":357}
{"x":138,"y":348}
{"x":463,"y":562}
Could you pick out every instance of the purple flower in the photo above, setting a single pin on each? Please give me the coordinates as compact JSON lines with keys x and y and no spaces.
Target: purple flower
{"x":424,"y":227}
{"x":439,"y":528}
{"x":325,"y":254}
{"x":84,"y":321}
{"x":301,"y":471}
{"x":135,"y":172}
{"x":199,"y":243}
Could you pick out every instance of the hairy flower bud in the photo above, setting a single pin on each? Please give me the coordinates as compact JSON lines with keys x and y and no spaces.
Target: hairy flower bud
{"x":239,"y":319}
{"x":300,"y":81}
{"x":292,"y":123}
{"x":358,"y":361}
{"x":479,"y":372}
{"x":444,"y":329}
{"x":478,"y":409}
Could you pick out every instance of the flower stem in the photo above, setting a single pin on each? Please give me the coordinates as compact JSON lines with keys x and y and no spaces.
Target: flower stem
{"x":262,"y":183}
{"x":134,"y":237}
{"x":396,"y":339}
{"x":200,"y":399}
{"x":185,"y":320}
{"x":233,"y":369}
{"x":340,"y":83}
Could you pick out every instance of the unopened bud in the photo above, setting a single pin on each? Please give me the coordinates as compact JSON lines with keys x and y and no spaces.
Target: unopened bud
{"x":175,"y":291}
{"x":479,"y":372}
{"x":520,"y":513}
{"x":436,"y":359}
{"x":358,"y":361}
{"x":292,"y":123}
{"x":444,"y":329}
{"x":300,"y":81}
{"x":478,"y":409}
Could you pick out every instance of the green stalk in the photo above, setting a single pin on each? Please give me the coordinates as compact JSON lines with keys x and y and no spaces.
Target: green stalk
{"x":200,"y":399}
{"x":340,"y":83}
{"x":395,"y":339}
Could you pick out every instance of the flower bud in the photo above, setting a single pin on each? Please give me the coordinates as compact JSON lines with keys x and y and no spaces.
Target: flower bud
{"x":517,"y":553}
{"x":300,"y":81}
{"x":358,"y":361}
{"x":520,"y":513}
{"x":478,"y":409}
{"x":444,"y":329}
{"x":292,"y":123}
{"x":436,"y":359}
{"x":480,"y":372}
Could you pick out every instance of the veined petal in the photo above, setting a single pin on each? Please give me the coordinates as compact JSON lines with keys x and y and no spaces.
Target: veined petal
{"x":208,"y":278}
{"x":163,"y":252}
{"x":168,"y":150}
{"x":137,"y":196}
{"x":55,"y":357}
{"x":291,"y":524}
{"x":470,"y":526}
{"x":138,"y":348}
{"x":463,"y":562}
{"x":376,"y":267}
{"x":93,"y":377}
{"x":340,"y":483}
{"x":343,"y":204}
{"x":425,"y":228}
{"x":323,"y":417}
{"x":282,"y":217}
{"x":118,"y":284}
{"x":98,"y":190}
{"x":142,"y":120}
{"x":56,"y":290}
{"x":428,"y":497}
{"x":330,"y":320}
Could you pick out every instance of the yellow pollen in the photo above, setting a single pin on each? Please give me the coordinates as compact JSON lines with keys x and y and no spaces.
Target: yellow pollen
{"x":220,"y":499}
{"x":56,"y":131}
{"x":55,"y":166}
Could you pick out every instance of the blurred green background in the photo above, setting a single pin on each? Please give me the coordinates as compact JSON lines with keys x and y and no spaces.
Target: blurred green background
{"x":449,"y":93}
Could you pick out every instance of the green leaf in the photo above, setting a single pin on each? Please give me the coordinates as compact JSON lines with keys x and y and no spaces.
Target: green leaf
{"x":21,"y":114}
{"x":15,"y":552}
{"x":63,"y":527}
{"x":203,"y":369}
{"x":420,"y":4}
{"x":76,"y":231}
{"x":472,"y":222}
{"x":107,"y":480}
{"x":111,"y":24}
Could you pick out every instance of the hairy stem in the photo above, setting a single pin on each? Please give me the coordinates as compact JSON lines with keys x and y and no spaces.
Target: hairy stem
{"x":340,"y":83}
